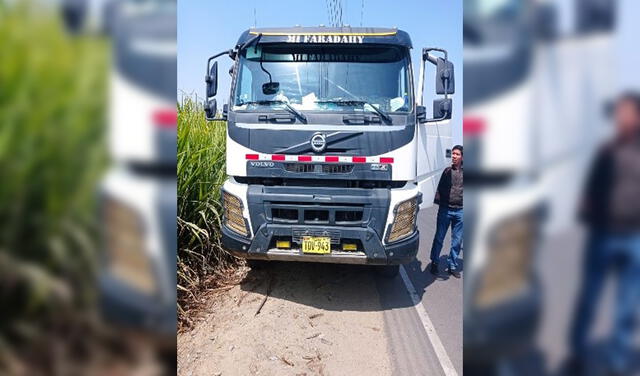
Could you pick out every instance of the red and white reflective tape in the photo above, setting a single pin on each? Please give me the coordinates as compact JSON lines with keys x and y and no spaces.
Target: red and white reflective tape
{"x":318,"y":158}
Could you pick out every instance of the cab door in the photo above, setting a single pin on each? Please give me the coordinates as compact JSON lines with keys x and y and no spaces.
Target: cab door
{"x":434,"y":155}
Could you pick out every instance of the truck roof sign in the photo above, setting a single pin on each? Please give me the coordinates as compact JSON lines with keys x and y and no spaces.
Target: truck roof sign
{"x":314,"y":38}
{"x":329,"y":35}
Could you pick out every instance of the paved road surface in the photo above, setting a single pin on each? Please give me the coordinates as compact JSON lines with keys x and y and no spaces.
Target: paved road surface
{"x":412,"y":349}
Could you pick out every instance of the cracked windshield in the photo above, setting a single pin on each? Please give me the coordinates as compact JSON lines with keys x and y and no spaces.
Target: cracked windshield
{"x":310,"y":78}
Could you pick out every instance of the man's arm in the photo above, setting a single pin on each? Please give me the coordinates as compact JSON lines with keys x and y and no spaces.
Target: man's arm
{"x":594,"y":180}
{"x":436,"y":199}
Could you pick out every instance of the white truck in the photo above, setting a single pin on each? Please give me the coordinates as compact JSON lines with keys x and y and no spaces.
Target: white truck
{"x":328,"y":154}
{"x":138,"y":194}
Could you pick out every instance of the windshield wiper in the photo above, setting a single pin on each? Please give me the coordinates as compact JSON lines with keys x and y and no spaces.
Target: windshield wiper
{"x":290,"y":108}
{"x":348,"y":102}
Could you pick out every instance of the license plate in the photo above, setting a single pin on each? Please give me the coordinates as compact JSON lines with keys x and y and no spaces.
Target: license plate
{"x":314,"y":244}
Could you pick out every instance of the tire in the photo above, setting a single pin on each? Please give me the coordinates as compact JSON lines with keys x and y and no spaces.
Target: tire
{"x":388,"y":271}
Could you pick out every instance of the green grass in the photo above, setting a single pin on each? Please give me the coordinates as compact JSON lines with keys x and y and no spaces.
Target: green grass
{"x":52,"y":154}
{"x":202,"y":262}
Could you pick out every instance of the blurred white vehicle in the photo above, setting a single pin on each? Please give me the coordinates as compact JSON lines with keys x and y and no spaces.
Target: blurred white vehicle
{"x":138,"y":194}
{"x":533,"y":115}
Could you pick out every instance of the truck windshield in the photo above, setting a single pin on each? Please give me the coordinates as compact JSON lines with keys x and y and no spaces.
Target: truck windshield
{"x":323,"y":78}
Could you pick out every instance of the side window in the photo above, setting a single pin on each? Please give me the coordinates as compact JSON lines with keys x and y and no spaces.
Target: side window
{"x":402,"y":81}
{"x":244,"y":89}
{"x":400,"y":102}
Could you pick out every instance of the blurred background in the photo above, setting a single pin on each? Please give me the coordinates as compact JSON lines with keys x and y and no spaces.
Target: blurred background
{"x":87,"y":165}
{"x":88,"y":192}
{"x":540,"y":79}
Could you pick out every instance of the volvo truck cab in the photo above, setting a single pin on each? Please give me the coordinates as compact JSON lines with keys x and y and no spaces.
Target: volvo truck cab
{"x":330,"y":152}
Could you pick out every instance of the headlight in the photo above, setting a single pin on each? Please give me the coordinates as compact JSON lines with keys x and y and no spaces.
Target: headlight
{"x":404,"y":221}
{"x":126,"y":253}
{"x":233,"y":217}
{"x":509,"y":261}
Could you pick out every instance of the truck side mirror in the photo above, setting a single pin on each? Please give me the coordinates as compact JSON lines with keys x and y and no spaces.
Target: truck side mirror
{"x":210,"y":109}
{"x":445,"y":85}
{"x":442,"y":108}
{"x":445,"y":81}
{"x":212,"y":80}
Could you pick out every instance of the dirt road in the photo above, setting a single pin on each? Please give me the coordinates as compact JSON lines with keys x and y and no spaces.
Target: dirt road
{"x":317,"y":319}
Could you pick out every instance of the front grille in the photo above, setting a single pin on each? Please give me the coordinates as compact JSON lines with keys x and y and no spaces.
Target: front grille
{"x":316,"y":215}
{"x":299,"y":167}
{"x":322,"y":183}
{"x":348,"y":216}
{"x":299,"y":234}
{"x":312,"y":214}
{"x":308,"y":168}
{"x":337,"y":169}
{"x":285,"y":215}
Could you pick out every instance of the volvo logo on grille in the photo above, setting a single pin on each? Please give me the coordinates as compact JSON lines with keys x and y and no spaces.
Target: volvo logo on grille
{"x":261,"y":164}
{"x":318,"y":142}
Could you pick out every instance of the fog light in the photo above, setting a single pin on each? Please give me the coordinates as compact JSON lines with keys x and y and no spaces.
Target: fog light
{"x":509,"y":261}
{"x":233,"y":217}
{"x":404,"y":221}
{"x":283,"y":244}
{"x":349,"y":247}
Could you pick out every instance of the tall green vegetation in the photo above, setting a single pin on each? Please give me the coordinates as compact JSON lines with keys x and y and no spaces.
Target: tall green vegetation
{"x":52,"y":151}
{"x":52,"y":154}
{"x":202,"y":262}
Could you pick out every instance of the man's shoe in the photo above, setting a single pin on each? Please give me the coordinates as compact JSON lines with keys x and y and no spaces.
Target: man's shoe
{"x":454,"y":273}
{"x":434,"y":269}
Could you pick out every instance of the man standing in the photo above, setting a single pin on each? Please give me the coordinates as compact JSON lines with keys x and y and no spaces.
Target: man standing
{"x":449,"y":199}
{"x":611,"y":211}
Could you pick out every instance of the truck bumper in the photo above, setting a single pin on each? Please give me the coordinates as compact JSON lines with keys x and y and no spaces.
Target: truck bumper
{"x":358,"y":217}
{"x":373,"y":251}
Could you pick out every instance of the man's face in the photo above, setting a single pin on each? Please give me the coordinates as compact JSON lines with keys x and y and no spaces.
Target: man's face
{"x":456,"y":157}
{"x":627,"y":118}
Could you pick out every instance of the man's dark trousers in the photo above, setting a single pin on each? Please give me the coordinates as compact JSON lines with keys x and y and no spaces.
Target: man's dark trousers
{"x":606,"y":251}
{"x":448,"y":216}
